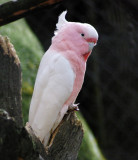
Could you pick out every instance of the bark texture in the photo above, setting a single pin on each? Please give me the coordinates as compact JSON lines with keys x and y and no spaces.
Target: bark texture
{"x":10,"y":80}
{"x":19,"y":142}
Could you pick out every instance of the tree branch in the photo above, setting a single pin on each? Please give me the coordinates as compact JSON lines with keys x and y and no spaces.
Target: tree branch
{"x":14,"y":10}
{"x":65,"y":141}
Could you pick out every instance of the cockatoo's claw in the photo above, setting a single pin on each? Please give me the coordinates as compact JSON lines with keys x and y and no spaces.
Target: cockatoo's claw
{"x":74,"y":107}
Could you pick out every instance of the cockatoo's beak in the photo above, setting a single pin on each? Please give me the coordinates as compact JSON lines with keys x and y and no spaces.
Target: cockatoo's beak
{"x":92,"y":42}
{"x":91,"y":45}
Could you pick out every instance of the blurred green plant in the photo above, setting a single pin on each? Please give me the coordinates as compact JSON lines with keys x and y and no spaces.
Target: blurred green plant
{"x":4,"y":1}
{"x":30,"y":52}
{"x":89,"y":149}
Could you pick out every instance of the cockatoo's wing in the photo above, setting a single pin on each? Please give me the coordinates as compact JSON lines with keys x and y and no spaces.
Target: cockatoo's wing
{"x":53,"y":86}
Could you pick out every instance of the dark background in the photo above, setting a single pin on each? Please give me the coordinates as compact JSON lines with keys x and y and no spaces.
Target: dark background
{"x":109,"y":98}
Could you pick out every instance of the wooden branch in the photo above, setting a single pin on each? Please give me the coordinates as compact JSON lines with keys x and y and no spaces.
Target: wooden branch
{"x":18,"y":142}
{"x":65,"y":141}
{"x":16,"y":9}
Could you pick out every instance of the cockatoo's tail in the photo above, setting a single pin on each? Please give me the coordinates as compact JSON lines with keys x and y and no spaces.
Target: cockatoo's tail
{"x":60,"y":75}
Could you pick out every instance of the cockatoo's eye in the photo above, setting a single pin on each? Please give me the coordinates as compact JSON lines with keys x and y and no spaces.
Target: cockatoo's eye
{"x":82,"y":34}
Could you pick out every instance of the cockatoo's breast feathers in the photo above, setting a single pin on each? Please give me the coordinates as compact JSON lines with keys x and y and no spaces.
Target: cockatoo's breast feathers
{"x":61,"y":21}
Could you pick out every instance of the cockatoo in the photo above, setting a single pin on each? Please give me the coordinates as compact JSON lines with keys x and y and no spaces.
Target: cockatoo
{"x":60,"y":75}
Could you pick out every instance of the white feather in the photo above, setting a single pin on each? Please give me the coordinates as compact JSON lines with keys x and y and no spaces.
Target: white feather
{"x":61,"y":21}
{"x":53,"y":86}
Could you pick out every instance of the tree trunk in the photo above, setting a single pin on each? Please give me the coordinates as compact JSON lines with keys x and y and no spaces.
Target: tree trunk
{"x":18,"y":142}
{"x":10,"y":80}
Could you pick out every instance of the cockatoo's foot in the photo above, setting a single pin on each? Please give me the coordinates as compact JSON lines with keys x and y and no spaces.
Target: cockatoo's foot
{"x":74,"y":107}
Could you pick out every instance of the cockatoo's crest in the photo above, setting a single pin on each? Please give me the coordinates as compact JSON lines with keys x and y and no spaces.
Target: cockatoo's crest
{"x":61,"y":21}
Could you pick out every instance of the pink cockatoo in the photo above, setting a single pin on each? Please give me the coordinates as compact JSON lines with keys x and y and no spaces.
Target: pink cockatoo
{"x":60,"y":75}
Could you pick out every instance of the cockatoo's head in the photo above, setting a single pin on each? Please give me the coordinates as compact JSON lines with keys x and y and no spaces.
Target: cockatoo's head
{"x":79,"y":37}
